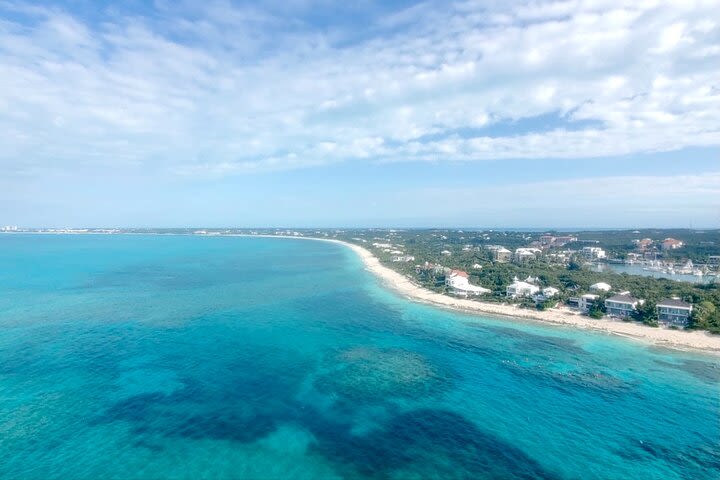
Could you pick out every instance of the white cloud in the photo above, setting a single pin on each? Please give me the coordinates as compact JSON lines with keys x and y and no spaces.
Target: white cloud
{"x":226,"y":90}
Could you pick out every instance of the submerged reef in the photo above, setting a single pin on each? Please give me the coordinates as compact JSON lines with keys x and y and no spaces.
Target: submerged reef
{"x":370,"y":373}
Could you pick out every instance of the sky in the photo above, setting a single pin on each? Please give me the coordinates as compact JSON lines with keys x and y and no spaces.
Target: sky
{"x":373,"y":113}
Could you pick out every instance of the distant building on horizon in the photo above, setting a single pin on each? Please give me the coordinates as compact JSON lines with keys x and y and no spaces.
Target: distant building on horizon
{"x":671,"y":244}
{"x":500,"y":254}
{"x":593,"y":253}
{"x":523,"y":255}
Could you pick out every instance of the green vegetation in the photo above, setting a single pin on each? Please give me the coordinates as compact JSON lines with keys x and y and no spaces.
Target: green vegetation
{"x":561,"y":266}
{"x":706,"y":316}
{"x":597,"y":309}
{"x":647,"y":313}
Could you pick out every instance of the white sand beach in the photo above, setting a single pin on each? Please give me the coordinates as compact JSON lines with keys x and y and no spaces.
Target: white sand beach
{"x":563,"y":316}
{"x":676,"y":339}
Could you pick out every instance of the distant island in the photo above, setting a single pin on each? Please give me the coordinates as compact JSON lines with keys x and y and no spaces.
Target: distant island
{"x":666,"y":278}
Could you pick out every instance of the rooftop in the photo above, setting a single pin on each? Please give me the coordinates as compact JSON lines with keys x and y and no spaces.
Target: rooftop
{"x":673,"y":302}
{"x":623,"y":299}
{"x":459,"y":273}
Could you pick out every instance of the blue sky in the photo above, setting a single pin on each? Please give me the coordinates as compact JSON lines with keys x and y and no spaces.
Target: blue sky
{"x":317,"y":113}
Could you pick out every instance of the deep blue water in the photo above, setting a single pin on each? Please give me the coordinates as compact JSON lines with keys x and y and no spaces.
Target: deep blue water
{"x":195,"y":357}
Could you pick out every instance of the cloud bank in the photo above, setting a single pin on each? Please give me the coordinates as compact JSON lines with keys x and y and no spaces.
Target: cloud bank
{"x":232,"y":88}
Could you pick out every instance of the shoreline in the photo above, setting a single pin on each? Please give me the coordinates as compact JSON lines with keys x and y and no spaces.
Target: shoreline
{"x":694,"y":340}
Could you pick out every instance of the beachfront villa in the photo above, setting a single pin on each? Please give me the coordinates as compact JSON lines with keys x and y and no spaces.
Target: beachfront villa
{"x":622,"y":305}
{"x":673,"y":311}
{"x":546,"y":294}
{"x":459,"y":284}
{"x":521,"y":289}
{"x":583,"y":302}
{"x":600,"y":287}
{"x":549,"y":292}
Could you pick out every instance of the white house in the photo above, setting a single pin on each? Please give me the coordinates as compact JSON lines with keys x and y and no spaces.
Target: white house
{"x":403,"y":258}
{"x":593,"y":253}
{"x":521,"y":289}
{"x":586,"y":301}
{"x":583,"y":302}
{"x":523,"y":255}
{"x":600,"y":287}
{"x":673,"y":311}
{"x":458,"y":282}
{"x":549,"y":292}
{"x":545,"y":294}
{"x":622,"y":305}
{"x":477,"y":266}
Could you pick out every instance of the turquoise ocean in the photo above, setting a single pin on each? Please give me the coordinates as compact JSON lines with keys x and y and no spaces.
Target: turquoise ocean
{"x":192,"y":357}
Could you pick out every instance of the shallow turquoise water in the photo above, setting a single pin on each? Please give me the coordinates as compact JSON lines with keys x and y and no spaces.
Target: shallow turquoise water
{"x":190,"y":357}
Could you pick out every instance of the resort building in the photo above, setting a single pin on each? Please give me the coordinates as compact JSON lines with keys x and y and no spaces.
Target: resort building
{"x":560,"y":241}
{"x":643,"y":244}
{"x":521,"y":289}
{"x":523,"y":255}
{"x":600,"y":287}
{"x":552,"y":241}
{"x":403,"y":258}
{"x":593,"y":253}
{"x":500,"y":254}
{"x":673,"y":311}
{"x":458,"y":282}
{"x":671,"y":244}
{"x":547,"y":240}
{"x":622,"y":305}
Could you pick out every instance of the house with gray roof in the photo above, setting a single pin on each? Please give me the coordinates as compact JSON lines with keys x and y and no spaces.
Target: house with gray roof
{"x":673,"y":311}
{"x":622,"y":305}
